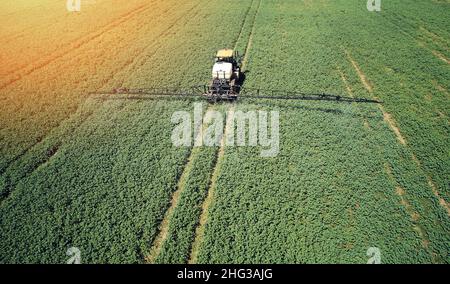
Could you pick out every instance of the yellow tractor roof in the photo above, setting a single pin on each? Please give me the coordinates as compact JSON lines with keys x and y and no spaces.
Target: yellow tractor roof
{"x":225,"y":53}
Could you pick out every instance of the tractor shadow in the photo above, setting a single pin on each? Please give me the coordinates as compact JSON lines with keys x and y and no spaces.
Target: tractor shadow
{"x":241,"y":80}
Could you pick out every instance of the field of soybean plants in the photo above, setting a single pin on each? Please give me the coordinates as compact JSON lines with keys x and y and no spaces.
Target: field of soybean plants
{"x":357,"y":173}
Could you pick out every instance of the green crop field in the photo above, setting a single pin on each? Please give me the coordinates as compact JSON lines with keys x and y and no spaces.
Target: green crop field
{"x":101,"y":173}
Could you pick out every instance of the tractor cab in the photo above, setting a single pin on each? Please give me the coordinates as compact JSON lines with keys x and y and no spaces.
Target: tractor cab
{"x":229,"y":56}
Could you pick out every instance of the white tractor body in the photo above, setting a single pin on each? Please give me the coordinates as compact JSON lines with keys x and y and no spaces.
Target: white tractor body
{"x":222,"y":70}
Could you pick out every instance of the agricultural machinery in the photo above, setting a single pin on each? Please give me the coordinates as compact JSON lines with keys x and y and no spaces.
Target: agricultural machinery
{"x":227,"y":85}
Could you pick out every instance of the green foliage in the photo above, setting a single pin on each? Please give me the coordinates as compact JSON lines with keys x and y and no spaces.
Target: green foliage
{"x":99,"y":175}
{"x":104,"y":191}
{"x":329,"y":196}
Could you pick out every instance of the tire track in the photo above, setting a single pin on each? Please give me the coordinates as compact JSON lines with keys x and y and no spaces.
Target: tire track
{"x":250,"y":39}
{"x":68,"y":49}
{"x":164,"y":226}
{"x":208,"y":202}
{"x":393,"y":125}
{"x":350,"y":93}
{"x":414,"y":215}
{"x":244,"y":20}
{"x":400,"y":191}
{"x":200,"y":230}
{"x":435,"y":38}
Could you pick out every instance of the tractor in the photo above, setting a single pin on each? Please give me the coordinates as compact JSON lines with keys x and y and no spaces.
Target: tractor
{"x":226,"y":76}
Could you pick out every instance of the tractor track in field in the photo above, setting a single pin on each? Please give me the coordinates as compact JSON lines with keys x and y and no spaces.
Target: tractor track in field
{"x":163,"y":229}
{"x":207,"y":203}
{"x":399,"y":191}
{"x":440,"y":88}
{"x":71,"y":47}
{"x":368,"y":86}
{"x":243,"y":24}
{"x":414,"y":215}
{"x":396,"y":130}
{"x":440,"y":56}
{"x":250,"y":38}
{"x":164,"y":226}
{"x":435,"y":38}
{"x":106,"y":82}
{"x":349,"y":90}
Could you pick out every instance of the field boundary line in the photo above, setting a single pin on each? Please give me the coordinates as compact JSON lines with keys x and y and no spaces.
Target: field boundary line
{"x":393,"y":125}
{"x":69,"y":48}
